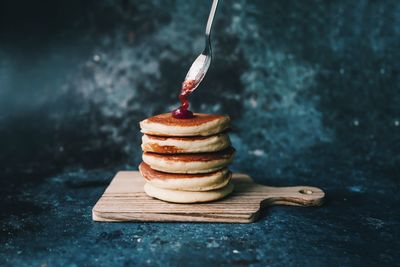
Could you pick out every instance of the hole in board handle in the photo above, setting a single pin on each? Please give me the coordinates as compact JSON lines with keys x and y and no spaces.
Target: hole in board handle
{"x":306,"y":191}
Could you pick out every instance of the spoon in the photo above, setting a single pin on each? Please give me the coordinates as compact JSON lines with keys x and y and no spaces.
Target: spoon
{"x":200,"y":66}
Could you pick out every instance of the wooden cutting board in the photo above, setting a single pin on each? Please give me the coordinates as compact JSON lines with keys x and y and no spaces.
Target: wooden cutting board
{"x":124,"y":200}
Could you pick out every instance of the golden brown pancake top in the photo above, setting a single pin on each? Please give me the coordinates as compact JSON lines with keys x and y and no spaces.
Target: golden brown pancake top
{"x":198,"y":119}
{"x":181,"y":138}
{"x":187,"y":157}
{"x":163,"y":149}
{"x":150,"y":174}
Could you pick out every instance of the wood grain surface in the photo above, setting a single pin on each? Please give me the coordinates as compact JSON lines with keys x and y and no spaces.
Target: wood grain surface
{"x":124,"y":200}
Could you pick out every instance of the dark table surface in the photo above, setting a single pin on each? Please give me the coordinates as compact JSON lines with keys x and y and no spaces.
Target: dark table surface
{"x":312,"y":89}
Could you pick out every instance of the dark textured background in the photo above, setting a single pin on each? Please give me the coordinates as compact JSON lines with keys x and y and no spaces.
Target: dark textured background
{"x":313,"y":89}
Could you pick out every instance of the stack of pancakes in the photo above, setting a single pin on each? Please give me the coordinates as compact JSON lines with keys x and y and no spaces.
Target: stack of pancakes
{"x":185,"y":160}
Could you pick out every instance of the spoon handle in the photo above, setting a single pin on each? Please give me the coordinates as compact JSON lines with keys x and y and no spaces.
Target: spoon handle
{"x":211,"y":17}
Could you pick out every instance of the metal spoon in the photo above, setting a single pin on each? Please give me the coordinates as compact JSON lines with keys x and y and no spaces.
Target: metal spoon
{"x":200,"y":66}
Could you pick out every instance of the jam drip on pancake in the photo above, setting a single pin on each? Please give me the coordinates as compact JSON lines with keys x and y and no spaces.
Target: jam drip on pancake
{"x":183,"y":111}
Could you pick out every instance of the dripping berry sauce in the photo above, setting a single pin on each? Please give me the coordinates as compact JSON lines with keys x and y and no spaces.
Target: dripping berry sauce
{"x":183,"y":111}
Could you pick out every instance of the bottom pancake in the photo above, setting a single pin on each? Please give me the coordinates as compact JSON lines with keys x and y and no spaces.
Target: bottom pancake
{"x":177,"y":196}
{"x":186,"y":182}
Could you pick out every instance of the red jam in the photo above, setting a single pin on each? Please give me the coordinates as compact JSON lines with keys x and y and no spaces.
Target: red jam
{"x":183,"y":111}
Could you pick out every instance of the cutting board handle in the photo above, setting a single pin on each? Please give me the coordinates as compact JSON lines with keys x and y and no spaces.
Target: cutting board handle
{"x":294,"y":196}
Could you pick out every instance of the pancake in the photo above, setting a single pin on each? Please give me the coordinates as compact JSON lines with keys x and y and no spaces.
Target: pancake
{"x":186,"y":182}
{"x":173,"y":145}
{"x":189,"y":163}
{"x":199,"y":125}
{"x":177,"y":196}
